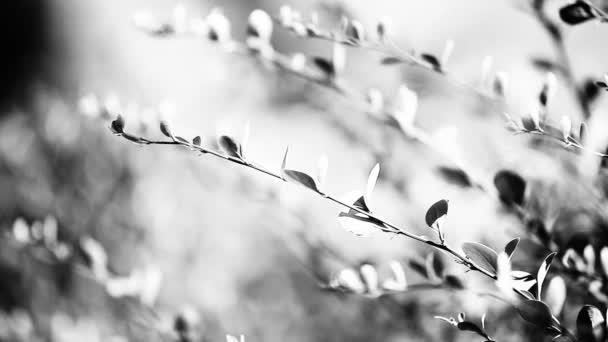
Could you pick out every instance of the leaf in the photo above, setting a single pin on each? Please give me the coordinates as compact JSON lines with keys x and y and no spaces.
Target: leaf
{"x":230,"y":146}
{"x":456,"y":176}
{"x":118,"y":125}
{"x":432,"y":60}
{"x":435,"y":212}
{"x":434,"y":267}
{"x":590,"y":324}
{"x":482,"y":255}
{"x":325,"y":65}
{"x":544,"y":64}
{"x":196,"y":141}
{"x":604,"y":259}
{"x":511,"y":246}
{"x":418,"y":267}
{"x":164,"y":129}
{"x":470,"y":326}
{"x":371,"y":182}
{"x":301,"y":178}
{"x":577,"y":13}
{"x":284,"y":163}
{"x":555,"y":296}
{"x":542,"y":273}
{"x":358,"y":224}
{"x":391,"y":60}
{"x":453,"y":282}
{"x":511,"y":187}
{"x":536,"y":312}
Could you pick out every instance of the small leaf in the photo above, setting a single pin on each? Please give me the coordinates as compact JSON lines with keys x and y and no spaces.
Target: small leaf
{"x":545,"y":64}
{"x":511,"y":246}
{"x":470,"y":326}
{"x":301,"y":178}
{"x":391,"y":60}
{"x":604,"y":259}
{"x":536,"y":312}
{"x":196,"y":141}
{"x":432,"y":60}
{"x":229,"y":146}
{"x":555,"y":296}
{"x":371,"y":182}
{"x":453,"y":282}
{"x":164,"y":129}
{"x":434,"y":267}
{"x":436,"y":212}
{"x":511,"y":187}
{"x":590,"y":324}
{"x":418,"y":267}
{"x":577,"y":12}
{"x":456,"y":176}
{"x":542,"y":273}
{"x":118,"y":125}
{"x":325,"y":65}
{"x":482,"y":255}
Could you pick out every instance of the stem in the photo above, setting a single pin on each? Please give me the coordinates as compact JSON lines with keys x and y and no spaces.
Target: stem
{"x":557,"y":39}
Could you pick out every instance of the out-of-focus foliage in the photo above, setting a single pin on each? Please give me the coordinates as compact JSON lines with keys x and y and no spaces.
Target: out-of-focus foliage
{"x":102,"y":240}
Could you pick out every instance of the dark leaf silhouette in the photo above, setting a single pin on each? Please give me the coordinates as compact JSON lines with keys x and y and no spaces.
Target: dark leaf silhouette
{"x":325,"y":65}
{"x":577,"y":12}
{"x":229,"y":146}
{"x":511,"y":246}
{"x":436,"y":211}
{"x":432,"y":60}
{"x":118,"y":125}
{"x":455,"y":176}
{"x":511,"y":187}
{"x":391,"y":60}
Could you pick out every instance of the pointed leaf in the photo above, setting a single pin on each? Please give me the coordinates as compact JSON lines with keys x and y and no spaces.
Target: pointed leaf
{"x":482,"y":255}
{"x":456,"y":176}
{"x":511,"y":246}
{"x":542,"y":273}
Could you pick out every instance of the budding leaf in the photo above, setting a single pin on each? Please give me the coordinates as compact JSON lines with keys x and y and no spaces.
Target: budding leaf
{"x":432,"y":60}
{"x":577,"y":12}
{"x":590,"y":324}
{"x":118,"y":125}
{"x":535,"y":312}
{"x":482,"y":255}
{"x":435,"y":212}
{"x":164,"y":129}
{"x":196,"y":141}
{"x":511,"y":246}
{"x":511,"y":187}
{"x":229,"y":146}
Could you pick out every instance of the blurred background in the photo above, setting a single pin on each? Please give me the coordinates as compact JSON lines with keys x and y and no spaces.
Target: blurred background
{"x":229,"y":251}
